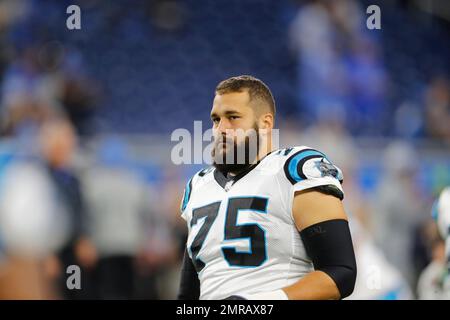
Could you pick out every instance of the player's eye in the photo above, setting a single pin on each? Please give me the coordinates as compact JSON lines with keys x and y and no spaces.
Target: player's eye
{"x":215,"y":120}
{"x":233,"y":117}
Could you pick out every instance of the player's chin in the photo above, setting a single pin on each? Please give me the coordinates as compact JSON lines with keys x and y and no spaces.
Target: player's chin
{"x":224,"y":148}
{"x":220,"y":154}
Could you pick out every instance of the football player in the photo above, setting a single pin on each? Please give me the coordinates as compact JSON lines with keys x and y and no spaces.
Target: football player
{"x":441,"y":213}
{"x":271,"y":227}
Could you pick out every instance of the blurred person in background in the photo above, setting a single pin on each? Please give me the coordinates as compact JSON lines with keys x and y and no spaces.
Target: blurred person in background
{"x":10,"y":12}
{"x":59,"y":141}
{"x":434,"y":282}
{"x":437,"y":109}
{"x":430,"y":285}
{"x":169,"y":245}
{"x":34,"y":223}
{"x":49,"y":73}
{"x":328,"y":132}
{"x":377,"y":279}
{"x":43,"y":68}
{"x":117,"y":204}
{"x":29,"y":89}
{"x":398,"y":207}
{"x":339,"y":66}
{"x":321,"y":71}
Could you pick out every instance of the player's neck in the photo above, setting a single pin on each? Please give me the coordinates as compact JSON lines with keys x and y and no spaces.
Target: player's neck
{"x":263,"y":152}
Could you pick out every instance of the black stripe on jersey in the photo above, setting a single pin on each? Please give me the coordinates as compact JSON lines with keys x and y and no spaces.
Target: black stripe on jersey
{"x":285,"y":151}
{"x":205,"y":171}
{"x":187,"y":194}
{"x":331,"y":190}
{"x":222,"y":180}
{"x":188,"y":188}
{"x":300,"y":164}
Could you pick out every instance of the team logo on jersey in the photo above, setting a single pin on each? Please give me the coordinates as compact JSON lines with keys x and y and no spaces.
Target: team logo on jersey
{"x":327,"y":169}
{"x":310,"y":164}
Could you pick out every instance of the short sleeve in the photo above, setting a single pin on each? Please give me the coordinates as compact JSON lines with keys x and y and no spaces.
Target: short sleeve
{"x":308,"y":168}
{"x":188,"y":190}
{"x":441,"y":212}
{"x":185,"y":200}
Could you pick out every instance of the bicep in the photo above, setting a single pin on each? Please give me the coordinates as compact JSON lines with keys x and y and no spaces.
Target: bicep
{"x":311,"y":207}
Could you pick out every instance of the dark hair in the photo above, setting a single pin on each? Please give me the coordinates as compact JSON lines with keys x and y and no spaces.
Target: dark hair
{"x":256,"y":89}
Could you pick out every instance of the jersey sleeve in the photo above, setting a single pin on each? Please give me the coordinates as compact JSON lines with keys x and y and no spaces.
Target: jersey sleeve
{"x":307,"y":168}
{"x":441,"y":212}
{"x":185,"y":200}
{"x":188,"y":190}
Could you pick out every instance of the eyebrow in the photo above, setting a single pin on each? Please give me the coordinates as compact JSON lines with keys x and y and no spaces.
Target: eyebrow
{"x":226,"y":113}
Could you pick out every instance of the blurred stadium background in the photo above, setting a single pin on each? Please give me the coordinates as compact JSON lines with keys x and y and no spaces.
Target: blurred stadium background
{"x":86,"y":117}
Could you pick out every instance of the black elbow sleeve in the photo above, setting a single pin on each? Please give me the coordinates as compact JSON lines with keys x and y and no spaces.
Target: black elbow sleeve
{"x":189,"y":284}
{"x":329,"y":245}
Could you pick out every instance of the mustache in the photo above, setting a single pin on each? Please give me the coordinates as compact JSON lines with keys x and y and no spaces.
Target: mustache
{"x":231,"y":136}
{"x":223,"y":138}
{"x":229,"y":141}
{"x":234,"y":154}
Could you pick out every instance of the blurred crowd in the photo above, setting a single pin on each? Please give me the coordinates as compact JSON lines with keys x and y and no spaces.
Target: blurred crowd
{"x":75,"y":189}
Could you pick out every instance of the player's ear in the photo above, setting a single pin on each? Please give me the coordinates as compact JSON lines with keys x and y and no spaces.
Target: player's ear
{"x":266,"y":121}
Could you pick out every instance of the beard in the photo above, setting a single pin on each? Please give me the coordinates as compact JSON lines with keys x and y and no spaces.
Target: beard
{"x":242,"y":155}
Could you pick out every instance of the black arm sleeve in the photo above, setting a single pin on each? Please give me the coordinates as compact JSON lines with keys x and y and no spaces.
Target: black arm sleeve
{"x":329,"y":245}
{"x":189,"y":284}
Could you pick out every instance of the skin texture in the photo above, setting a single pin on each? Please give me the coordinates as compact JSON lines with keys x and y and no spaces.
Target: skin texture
{"x":232,"y":111}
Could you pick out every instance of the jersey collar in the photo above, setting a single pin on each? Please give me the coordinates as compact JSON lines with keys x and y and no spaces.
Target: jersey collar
{"x":226,"y":181}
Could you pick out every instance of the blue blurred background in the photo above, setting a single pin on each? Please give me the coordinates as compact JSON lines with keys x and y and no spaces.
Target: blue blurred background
{"x":86,"y":117}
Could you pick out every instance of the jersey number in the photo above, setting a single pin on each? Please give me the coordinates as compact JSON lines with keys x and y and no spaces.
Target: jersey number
{"x":252,"y":231}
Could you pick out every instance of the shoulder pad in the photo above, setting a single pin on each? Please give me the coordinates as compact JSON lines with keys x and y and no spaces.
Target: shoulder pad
{"x":297,"y":169}
{"x":191,"y":183}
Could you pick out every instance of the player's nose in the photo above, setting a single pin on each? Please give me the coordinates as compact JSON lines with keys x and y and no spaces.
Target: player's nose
{"x":223,"y":126}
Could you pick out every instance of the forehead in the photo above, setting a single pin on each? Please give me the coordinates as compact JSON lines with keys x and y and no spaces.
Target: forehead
{"x":233,"y":101}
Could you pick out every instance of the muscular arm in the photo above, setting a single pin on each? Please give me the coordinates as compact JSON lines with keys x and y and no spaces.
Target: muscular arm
{"x":311,"y":209}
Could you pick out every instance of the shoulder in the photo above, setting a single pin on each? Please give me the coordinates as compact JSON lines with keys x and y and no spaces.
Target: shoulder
{"x":300,"y":163}
{"x":441,"y":212}
{"x":202,"y":176}
{"x":199,"y":178}
{"x":303,"y":167}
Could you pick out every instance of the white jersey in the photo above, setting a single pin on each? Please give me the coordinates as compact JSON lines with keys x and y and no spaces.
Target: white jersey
{"x":441,"y":212}
{"x":242,"y":237}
